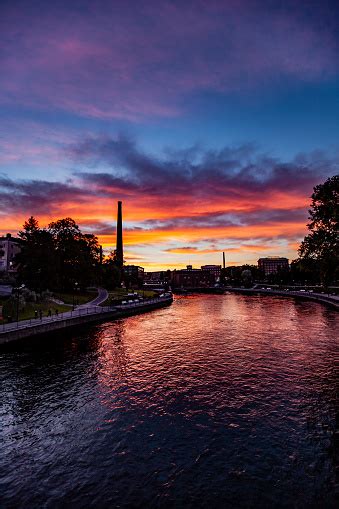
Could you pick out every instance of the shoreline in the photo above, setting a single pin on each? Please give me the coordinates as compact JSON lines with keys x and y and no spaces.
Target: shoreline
{"x":330,"y":300}
{"x":80,"y":317}
{"x":19,"y":331}
{"x":315,"y":297}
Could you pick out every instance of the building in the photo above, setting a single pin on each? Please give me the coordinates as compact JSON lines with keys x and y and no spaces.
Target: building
{"x":160,"y":276}
{"x":213,"y":269}
{"x":9,"y":248}
{"x":134,"y":275}
{"x":192,"y":278}
{"x":273,"y":265}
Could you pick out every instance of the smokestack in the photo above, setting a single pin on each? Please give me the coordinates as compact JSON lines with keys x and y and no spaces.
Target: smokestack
{"x":223,"y":260}
{"x":119,"y":250}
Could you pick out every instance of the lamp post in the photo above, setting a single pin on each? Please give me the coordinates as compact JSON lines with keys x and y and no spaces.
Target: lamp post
{"x":39,"y":280}
{"x":18,"y":289}
{"x":75,"y":287}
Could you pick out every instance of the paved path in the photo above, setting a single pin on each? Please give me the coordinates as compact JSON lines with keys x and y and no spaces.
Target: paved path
{"x":99,"y":299}
{"x":325,"y":298}
{"x":84,"y":309}
{"x":306,"y":293}
{"x":81,"y":311}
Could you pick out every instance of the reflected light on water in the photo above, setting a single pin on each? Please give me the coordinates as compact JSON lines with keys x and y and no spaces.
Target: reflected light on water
{"x":222,"y":401}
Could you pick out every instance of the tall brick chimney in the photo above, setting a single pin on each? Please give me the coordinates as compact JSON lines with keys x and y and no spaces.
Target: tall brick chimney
{"x":119,"y":249}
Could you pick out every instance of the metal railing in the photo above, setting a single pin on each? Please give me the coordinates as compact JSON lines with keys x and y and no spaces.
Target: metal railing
{"x":56,"y":317}
{"x":320,"y":297}
{"x":81,"y":311}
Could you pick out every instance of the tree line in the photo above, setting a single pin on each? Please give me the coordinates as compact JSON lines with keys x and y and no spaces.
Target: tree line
{"x":61,"y":255}
{"x":319,"y":251}
{"x":318,"y":260}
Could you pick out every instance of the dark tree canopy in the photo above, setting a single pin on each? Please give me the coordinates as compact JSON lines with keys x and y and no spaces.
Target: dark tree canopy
{"x":58,"y":256}
{"x":321,"y":244}
{"x":30,"y":227}
{"x":37,"y":257}
{"x":111,"y":272}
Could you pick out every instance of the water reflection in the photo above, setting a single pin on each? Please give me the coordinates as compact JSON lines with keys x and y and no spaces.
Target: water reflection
{"x":227,"y":401}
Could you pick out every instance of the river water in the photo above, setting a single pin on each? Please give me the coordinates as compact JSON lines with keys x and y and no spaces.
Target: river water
{"x":215,"y":401}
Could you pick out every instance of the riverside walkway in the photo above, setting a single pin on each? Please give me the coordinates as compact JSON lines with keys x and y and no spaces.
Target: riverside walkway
{"x":86,"y":313}
{"x":323,"y":298}
{"x":99,"y":299}
{"x":81,"y":310}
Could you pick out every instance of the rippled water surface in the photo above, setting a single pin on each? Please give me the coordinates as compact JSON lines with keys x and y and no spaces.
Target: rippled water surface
{"x":215,"y":401}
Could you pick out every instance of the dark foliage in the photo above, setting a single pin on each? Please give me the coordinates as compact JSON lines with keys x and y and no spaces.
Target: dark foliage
{"x":57,"y":257}
{"x":322,"y":243}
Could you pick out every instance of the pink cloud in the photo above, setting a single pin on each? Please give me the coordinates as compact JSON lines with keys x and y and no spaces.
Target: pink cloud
{"x":134,"y":60}
{"x":31,"y":143}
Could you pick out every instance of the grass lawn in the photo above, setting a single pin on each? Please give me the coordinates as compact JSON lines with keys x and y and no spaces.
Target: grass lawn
{"x":30,"y":308}
{"x":79,"y":297}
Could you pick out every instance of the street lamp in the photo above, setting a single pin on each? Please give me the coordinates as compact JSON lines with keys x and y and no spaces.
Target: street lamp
{"x":18,"y":290}
{"x":39,"y":280}
{"x":75,"y":287}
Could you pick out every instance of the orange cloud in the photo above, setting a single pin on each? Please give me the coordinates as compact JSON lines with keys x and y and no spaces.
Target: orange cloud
{"x":190,"y":250}
{"x":137,"y":237}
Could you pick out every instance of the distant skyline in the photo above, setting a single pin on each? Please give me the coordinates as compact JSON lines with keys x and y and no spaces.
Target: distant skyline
{"x":210,"y":121}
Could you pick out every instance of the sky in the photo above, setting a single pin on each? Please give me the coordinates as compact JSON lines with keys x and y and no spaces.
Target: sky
{"x":211,"y":120}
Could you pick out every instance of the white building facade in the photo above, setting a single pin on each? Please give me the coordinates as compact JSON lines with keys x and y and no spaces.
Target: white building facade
{"x":9,"y":248}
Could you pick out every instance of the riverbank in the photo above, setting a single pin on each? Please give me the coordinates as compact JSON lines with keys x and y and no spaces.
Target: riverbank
{"x":329,"y":300}
{"x":81,"y":316}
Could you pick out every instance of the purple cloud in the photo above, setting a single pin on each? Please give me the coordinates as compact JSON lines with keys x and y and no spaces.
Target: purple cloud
{"x":36,"y":196}
{"x":232,"y":172}
{"x":199,"y":189}
{"x":134,"y":60}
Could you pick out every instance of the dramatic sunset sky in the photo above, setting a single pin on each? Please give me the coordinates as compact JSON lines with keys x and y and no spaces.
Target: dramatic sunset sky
{"x":211,"y":121}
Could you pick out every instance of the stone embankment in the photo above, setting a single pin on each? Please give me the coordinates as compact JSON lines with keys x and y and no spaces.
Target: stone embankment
{"x":323,"y":298}
{"x":81,"y":316}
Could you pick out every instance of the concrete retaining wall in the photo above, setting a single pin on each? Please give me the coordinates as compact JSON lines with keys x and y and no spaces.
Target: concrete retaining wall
{"x":322,"y":299}
{"x":38,"y":329}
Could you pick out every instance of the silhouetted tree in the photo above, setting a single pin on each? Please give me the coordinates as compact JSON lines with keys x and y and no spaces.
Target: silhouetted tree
{"x":111,"y":273}
{"x":246,"y":277}
{"x":78,"y":254}
{"x":36,"y":261}
{"x":239,"y":275}
{"x":57,"y":257}
{"x":305,"y":271}
{"x":322,"y":244}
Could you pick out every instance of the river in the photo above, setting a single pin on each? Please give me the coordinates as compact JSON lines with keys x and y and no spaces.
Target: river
{"x":216,"y":401}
